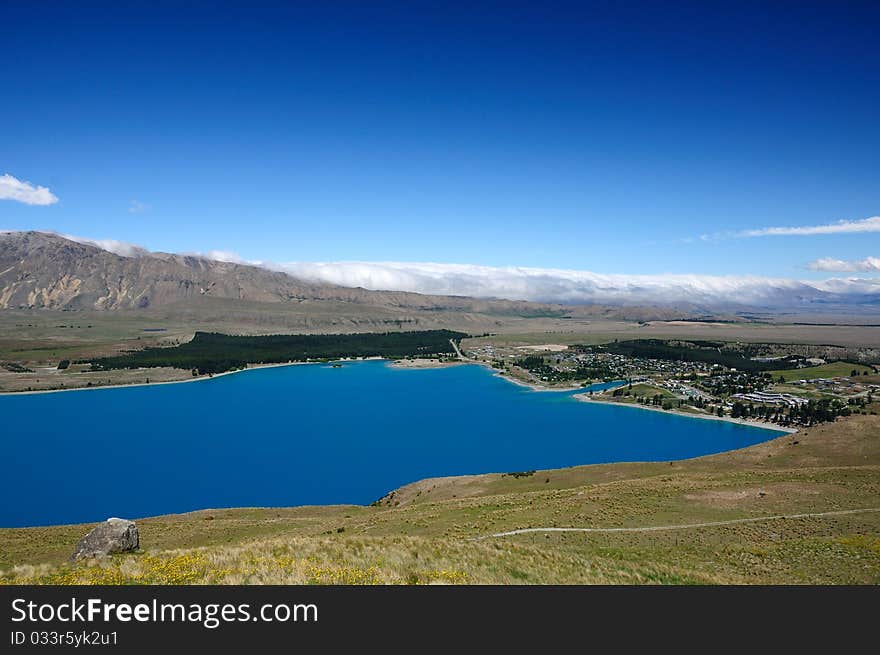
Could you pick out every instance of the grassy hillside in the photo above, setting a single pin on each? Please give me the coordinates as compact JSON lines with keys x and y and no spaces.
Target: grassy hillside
{"x":437,"y":531}
{"x":834,"y":369}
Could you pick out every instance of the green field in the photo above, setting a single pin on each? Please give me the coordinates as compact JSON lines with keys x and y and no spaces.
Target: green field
{"x":648,"y":390}
{"x":834,"y":369}
{"x":638,"y":390}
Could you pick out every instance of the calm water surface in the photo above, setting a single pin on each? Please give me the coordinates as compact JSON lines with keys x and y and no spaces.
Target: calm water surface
{"x":308,"y":434}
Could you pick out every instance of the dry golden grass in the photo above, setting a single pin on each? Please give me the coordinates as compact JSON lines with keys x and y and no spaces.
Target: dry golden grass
{"x":356,"y":561}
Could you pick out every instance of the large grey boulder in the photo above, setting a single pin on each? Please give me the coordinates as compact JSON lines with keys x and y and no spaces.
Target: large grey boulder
{"x":111,"y":536}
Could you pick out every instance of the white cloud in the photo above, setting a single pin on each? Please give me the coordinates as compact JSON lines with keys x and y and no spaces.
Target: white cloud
{"x":137,"y":207}
{"x":869,"y":264}
{"x":12,"y":188}
{"x":576,"y":287}
{"x":841,"y":227}
{"x":230,"y":257}
{"x":121,"y":248}
{"x":225,"y":256}
{"x":862,"y":225}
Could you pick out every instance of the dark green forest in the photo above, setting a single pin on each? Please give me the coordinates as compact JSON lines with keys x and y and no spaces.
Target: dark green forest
{"x":210,"y":352}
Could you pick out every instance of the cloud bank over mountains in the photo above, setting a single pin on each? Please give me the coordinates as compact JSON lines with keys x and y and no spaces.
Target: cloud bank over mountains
{"x":566,"y":286}
{"x":121,"y":248}
{"x":579,"y":287}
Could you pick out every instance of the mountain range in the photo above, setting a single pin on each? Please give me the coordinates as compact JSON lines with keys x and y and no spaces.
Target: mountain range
{"x":43,"y":270}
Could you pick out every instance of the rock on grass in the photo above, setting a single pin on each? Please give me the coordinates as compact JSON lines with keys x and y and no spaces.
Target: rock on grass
{"x":112,"y":536}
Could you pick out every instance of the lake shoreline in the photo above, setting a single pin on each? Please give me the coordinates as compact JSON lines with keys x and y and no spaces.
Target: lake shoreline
{"x":585,"y":398}
{"x":392,"y":363}
{"x":313,"y":436}
{"x":199,"y":378}
{"x":534,"y":386}
{"x":428,"y":365}
{"x":422,"y":364}
{"x":531,"y":385}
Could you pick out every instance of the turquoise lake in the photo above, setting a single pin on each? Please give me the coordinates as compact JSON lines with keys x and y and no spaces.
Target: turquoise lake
{"x":310,"y":434}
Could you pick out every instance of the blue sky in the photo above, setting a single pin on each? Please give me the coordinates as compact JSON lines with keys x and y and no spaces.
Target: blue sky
{"x":573,"y":136}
